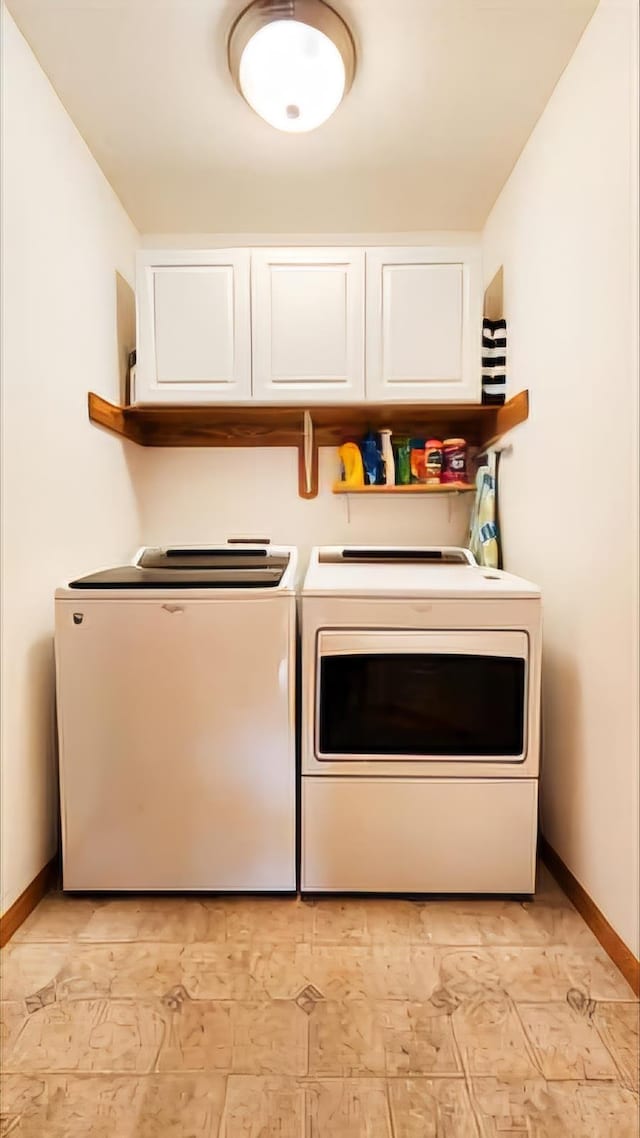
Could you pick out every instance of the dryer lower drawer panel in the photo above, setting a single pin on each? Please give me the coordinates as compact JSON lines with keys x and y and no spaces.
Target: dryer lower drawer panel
{"x":418,"y":835}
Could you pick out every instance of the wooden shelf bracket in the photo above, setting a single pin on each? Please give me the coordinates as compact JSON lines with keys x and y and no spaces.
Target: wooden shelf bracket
{"x":308,"y":460}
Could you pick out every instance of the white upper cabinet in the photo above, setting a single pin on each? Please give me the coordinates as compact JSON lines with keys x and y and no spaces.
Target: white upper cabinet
{"x":288,"y":325}
{"x":194,"y":326}
{"x":308,"y":325}
{"x":424,"y":325}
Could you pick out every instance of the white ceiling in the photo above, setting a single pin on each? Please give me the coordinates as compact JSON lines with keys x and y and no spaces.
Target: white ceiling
{"x":445,"y":96}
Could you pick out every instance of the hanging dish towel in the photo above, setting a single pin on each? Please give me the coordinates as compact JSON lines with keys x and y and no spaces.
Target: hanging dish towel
{"x":484,"y":536}
{"x":494,"y":360}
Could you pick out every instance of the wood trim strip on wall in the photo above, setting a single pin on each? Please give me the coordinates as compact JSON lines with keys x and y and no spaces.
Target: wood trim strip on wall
{"x":613,"y":944}
{"x":18,"y":912}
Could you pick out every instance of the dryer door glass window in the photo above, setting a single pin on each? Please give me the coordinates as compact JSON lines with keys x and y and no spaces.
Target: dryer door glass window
{"x":422,"y":704}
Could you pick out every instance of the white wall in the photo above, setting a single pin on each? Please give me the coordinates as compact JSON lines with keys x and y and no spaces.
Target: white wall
{"x":206,"y":495}
{"x":565,"y":229}
{"x":67,"y":498}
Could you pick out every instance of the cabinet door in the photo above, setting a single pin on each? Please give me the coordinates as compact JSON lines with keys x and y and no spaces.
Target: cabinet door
{"x":193,"y":313}
{"x":308,"y":324}
{"x":424,"y":321}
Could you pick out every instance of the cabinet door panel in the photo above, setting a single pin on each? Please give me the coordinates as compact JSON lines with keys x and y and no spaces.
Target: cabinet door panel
{"x":193,"y":327}
{"x":422,"y":331}
{"x":308,"y":324}
{"x":194,"y":324}
{"x":423,"y":324}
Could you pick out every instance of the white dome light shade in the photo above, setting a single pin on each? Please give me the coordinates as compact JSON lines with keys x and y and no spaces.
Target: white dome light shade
{"x":292,"y":60}
{"x":292,"y":75}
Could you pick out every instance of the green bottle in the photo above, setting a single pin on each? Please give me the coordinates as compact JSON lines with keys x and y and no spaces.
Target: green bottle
{"x":403,"y":461}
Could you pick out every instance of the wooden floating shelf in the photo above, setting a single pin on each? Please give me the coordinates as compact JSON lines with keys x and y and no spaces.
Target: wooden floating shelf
{"x":416,"y":488}
{"x":307,"y":428}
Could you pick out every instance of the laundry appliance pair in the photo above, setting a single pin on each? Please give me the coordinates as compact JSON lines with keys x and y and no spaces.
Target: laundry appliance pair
{"x":419,"y":695}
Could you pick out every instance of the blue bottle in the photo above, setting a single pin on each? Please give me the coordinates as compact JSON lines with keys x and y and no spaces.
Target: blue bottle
{"x":372,"y":461}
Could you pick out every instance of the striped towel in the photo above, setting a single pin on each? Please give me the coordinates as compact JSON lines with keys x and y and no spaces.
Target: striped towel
{"x":494,"y":360}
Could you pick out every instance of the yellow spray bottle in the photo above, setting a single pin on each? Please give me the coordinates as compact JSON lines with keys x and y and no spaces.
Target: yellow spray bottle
{"x":351,"y":460}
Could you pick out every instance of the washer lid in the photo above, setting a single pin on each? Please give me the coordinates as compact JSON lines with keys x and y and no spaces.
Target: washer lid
{"x":418,"y":571}
{"x":398,"y":554}
{"x":194,"y":567}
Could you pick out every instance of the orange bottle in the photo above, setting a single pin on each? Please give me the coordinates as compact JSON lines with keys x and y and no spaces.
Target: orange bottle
{"x":433,"y":461}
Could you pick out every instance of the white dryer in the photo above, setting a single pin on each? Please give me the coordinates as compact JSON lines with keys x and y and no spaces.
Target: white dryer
{"x":176,"y":713}
{"x":420,"y":723}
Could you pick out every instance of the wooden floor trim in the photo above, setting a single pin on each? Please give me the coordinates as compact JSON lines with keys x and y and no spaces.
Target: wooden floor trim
{"x":613,"y":944}
{"x":18,"y":912}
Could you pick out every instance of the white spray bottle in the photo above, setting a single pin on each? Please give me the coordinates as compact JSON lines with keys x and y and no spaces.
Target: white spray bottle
{"x":387,"y":455}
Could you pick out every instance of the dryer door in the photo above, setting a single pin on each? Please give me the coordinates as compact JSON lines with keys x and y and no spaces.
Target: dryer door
{"x":456,"y":700}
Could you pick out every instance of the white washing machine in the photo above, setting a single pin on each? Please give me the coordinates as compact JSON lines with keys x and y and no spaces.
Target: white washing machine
{"x":176,"y":714}
{"x":420,"y":723}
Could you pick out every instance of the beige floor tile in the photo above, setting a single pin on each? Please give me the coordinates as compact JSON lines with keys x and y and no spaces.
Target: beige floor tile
{"x":285,"y":974}
{"x":263,"y":1108}
{"x":491,"y":1039}
{"x":120,"y":971}
{"x":365,"y":921}
{"x":566,"y":1043}
{"x":265,"y":920}
{"x":242,"y":971}
{"x":336,"y":971}
{"x":393,"y":921}
{"x":243,"y":1037}
{"x":531,"y":974}
{"x":109,"y":1106}
{"x":378,"y":973}
{"x":26,"y":969}
{"x":108,"y":1036}
{"x":534,"y":1108}
{"x":269,"y":1038}
{"x":179,"y":1106}
{"x":69,"y":1106}
{"x":618,"y":1025}
{"x":465,"y":974}
{"x":591,"y":1110}
{"x":198,"y":1036}
{"x":431,"y":1108}
{"x":172,"y":919}
{"x":369,"y":972}
{"x":58,"y":917}
{"x":292,"y":1108}
{"x":555,"y":921}
{"x":487,"y":922}
{"x":514,"y":1107}
{"x":534,"y":974}
{"x":475,"y":922}
{"x":386,"y":1037}
{"x":595,"y":974}
{"x":12,"y":1017}
{"x":347,"y":1108}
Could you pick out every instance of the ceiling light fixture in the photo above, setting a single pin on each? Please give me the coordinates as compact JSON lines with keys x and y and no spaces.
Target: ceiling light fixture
{"x":292,"y":60}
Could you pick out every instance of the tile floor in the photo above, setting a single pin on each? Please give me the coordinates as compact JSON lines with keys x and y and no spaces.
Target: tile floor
{"x":263,"y":1018}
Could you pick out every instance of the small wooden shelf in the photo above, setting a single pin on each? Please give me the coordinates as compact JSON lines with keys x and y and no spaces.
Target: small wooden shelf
{"x":414,"y":488}
{"x":307,"y":428}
